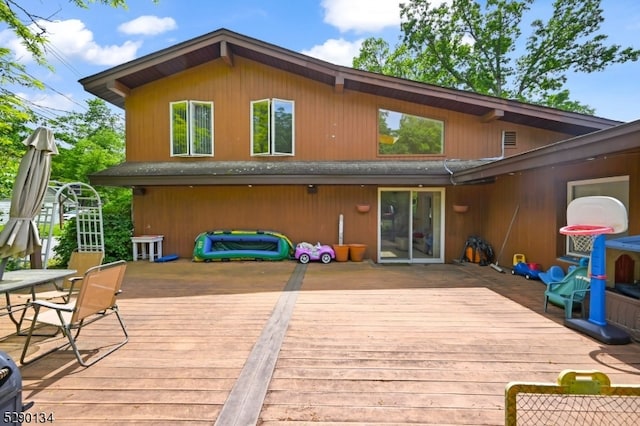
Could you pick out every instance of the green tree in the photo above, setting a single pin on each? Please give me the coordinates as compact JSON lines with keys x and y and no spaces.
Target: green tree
{"x":26,"y":25}
{"x":12,"y":108}
{"x":479,"y":46}
{"x":12,"y":149}
{"x":88,"y":142}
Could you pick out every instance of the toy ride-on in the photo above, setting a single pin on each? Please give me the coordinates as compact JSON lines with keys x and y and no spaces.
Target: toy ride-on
{"x":306,"y":252}
{"x":528,"y":270}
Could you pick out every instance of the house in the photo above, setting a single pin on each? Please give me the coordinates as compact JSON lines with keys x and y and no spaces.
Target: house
{"x":228,"y":132}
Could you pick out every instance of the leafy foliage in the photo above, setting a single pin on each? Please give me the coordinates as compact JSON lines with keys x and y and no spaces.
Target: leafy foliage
{"x":27,"y":26}
{"x":93,"y":141}
{"x":90,"y":141}
{"x":12,"y":151}
{"x":117,"y":235}
{"x":479,"y":46}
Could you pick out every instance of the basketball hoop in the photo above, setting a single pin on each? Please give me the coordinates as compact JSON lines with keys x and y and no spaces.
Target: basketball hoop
{"x":582,"y":236}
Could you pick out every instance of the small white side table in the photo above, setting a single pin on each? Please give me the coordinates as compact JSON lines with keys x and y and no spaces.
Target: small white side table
{"x":148,"y":244}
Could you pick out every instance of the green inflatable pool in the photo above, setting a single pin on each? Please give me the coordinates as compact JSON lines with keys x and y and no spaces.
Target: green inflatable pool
{"x":223,"y":245}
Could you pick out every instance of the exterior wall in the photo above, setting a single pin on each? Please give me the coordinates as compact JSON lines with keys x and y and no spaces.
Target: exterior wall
{"x":542,"y":197}
{"x":333,"y":126}
{"x":329,"y":125}
{"x":182,"y":213}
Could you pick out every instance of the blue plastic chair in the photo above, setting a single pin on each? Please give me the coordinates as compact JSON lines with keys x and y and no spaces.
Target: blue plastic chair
{"x":553,"y":274}
{"x":556,"y":274}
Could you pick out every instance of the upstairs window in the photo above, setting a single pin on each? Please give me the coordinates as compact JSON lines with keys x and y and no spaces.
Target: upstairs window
{"x":191,"y":129}
{"x":272,"y":127}
{"x":405,"y":134}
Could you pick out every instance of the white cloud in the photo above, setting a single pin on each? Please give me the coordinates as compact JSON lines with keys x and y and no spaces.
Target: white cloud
{"x":70,"y":39}
{"x":9,"y":41}
{"x":148,"y":25}
{"x":336,"y":51}
{"x":56,"y":102}
{"x":362,"y":15}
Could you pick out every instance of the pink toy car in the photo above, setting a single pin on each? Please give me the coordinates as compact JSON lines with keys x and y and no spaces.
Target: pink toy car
{"x":305,"y":252}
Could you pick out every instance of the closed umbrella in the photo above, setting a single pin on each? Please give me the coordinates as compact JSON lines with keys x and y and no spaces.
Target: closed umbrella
{"x":20,"y":236}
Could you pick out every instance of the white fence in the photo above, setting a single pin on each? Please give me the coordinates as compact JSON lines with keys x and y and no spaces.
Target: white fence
{"x":5,"y":205}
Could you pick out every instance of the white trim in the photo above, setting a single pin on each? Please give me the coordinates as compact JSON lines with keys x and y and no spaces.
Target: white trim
{"x":190,"y":105}
{"x":439,"y":233}
{"x":611,"y":181}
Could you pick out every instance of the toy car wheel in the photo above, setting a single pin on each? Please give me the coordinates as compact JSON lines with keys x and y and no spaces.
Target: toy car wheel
{"x":527,"y":276}
{"x":325,"y":258}
{"x":304,"y":258}
{"x":513,"y":272}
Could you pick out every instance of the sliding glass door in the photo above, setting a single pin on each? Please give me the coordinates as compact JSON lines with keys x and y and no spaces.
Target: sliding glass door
{"x":410,"y":225}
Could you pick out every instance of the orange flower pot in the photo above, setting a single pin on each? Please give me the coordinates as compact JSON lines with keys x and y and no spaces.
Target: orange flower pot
{"x":356,"y":252}
{"x":342,"y":252}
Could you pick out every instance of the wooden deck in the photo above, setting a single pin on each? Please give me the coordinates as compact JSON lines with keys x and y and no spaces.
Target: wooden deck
{"x":282,"y":344}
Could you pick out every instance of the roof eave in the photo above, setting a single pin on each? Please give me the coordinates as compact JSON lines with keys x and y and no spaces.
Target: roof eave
{"x":107,"y":86}
{"x":201,"y":180}
{"x":623,"y":138}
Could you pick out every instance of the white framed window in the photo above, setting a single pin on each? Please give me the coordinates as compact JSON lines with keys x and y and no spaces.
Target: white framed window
{"x":272,"y":127}
{"x":614,"y":186}
{"x":191,"y":128}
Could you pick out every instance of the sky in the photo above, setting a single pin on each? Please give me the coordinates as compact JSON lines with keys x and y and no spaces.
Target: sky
{"x":83,"y":42}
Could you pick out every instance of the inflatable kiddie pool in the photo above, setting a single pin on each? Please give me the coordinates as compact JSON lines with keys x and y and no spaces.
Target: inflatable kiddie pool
{"x":223,"y":245}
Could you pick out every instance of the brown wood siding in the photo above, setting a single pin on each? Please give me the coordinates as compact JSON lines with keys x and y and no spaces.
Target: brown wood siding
{"x":329,"y":125}
{"x":542,"y":196}
{"x":181,"y":214}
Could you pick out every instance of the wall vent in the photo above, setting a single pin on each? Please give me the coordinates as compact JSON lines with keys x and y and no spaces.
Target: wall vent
{"x":509,"y":138}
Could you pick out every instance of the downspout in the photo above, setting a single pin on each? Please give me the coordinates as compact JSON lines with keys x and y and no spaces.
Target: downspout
{"x":453,"y":182}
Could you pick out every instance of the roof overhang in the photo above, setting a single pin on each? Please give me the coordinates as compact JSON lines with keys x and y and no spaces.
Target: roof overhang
{"x":115,"y":84}
{"x":181,"y":173}
{"x":618,"y":140}
{"x":624,"y":138}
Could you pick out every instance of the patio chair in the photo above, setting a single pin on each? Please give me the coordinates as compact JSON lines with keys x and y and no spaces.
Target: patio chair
{"x":96,"y":300}
{"x":80,"y":261}
{"x":569,"y":292}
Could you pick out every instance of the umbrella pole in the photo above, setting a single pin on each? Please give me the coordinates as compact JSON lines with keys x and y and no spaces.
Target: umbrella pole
{"x":36,"y":258}
{"x":2,"y":266}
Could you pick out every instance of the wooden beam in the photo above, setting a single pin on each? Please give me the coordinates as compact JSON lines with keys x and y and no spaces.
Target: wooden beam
{"x":119,"y":88}
{"x":492,"y":115}
{"x":339,"y":83}
{"x":226,"y":53}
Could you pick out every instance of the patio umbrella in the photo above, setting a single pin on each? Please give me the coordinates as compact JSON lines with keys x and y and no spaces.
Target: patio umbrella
{"x":20,"y":236}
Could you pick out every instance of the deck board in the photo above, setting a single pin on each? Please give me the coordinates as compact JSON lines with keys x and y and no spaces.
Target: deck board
{"x":365,"y":344}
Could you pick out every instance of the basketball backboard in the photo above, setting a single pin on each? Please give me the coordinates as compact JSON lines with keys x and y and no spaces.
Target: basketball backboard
{"x":598,"y":210}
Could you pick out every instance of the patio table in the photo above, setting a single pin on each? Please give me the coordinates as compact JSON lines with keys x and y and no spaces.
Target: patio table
{"x":15,"y":281}
{"x":149,"y":244}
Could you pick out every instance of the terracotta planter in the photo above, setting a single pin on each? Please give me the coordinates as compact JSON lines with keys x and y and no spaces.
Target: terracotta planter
{"x":458,"y":208}
{"x":356,"y":252}
{"x":342,"y":252}
{"x":363,"y":208}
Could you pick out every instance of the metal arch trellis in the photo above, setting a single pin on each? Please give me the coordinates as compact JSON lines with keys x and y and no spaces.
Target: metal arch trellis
{"x":81,"y":199}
